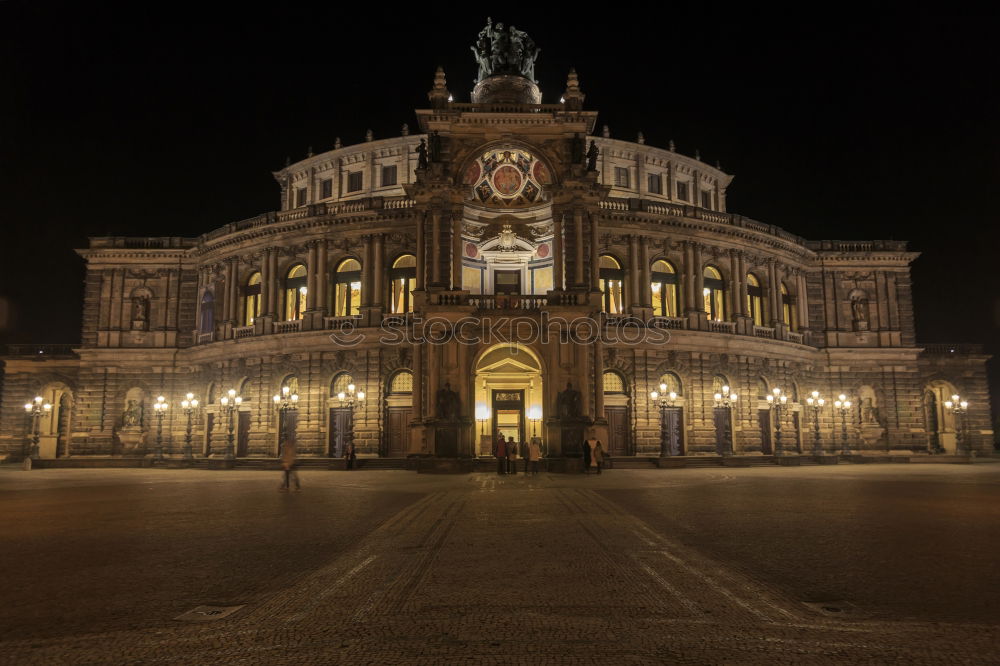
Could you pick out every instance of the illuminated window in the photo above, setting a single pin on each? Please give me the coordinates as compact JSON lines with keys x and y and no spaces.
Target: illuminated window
{"x":718,"y":381}
{"x":402,"y":281}
{"x":347,"y":289}
{"x":402,"y":382}
{"x":295,"y":292}
{"x":755,"y":300}
{"x":664,"y":289}
{"x":613,"y":382}
{"x":251,"y":300}
{"x":340,"y":384}
{"x":714,"y":294}
{"x":787,"y":311}
{"x":673,"y":383}
{"x":612,"y":278}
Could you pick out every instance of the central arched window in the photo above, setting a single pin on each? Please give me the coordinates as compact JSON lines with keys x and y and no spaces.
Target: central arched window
{"x":347,"y":289}
{"x":401,"y":382}
{"x":251,"y":300}
{"x":295,"y":292}
{"x":755,"y":300}
{"x":612,"y":277}
{"x":402,"y":281}
{"x":664,"y":289}
{"x":787,"y":311}
{"x":672,"y":382}
{"x":613,"y":382}
{"x":714,"y":293}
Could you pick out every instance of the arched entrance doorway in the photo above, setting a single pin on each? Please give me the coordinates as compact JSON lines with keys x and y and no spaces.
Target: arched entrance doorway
{"x":509,"y":395}
{"x":939,"y":422}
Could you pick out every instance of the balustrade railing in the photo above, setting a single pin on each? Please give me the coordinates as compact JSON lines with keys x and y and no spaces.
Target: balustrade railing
{"x":288,"y":326}
{"x":763,"y":332}
{"x":722,"y":326}
{"x":340,"y":323}
{"x":241,"y":332}
{"x":674,"y":323}
{"x":797,"y":338}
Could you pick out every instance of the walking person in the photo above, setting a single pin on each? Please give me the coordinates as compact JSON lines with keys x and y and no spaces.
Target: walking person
{"x":586,"y":454}
{"x":596,"y":451}
{"x":500,"y":451}
{"x":534,"y":455}
{"x":288,"y":466}
{"x":523,"y":452}
{"x":511,"y":455}
{"x":350,"y":455}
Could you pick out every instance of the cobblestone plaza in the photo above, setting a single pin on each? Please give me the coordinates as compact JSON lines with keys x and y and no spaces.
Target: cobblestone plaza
{"x":859,"y":564}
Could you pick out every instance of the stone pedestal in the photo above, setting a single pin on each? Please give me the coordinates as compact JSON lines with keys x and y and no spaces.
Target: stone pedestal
{"x":133,"y":441}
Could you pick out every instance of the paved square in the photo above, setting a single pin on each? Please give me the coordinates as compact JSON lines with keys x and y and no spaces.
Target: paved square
{"x":865,"y":564}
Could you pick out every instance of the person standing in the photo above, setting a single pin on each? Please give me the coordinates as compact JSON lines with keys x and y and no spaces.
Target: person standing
{"x":500,"y":451}
{"x":511,"y":455}
{"x":350,"y":455}
{"x":534,"y":455}
{"x":288,"y":466}
{"x":596,"y":453}
{"x":586,"y":454}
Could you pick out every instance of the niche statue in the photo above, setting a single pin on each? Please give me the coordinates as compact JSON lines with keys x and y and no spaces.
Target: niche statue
{"x":569,"y":404}
{"x":448,"y":404}
{"x":132,"y":416}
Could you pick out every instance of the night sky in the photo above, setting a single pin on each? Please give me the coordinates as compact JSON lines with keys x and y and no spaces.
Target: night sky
{"x":837,"y":122}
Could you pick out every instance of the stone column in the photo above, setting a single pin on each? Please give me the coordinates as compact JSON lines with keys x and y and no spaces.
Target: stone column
{"x":558,"y":269}
{"x":635,"y":300}
{"x":418,"y":381}
{"x":378,"y":271}
{"x":598,"y":379}
{"x":775,"y":292}
{"x":735,"y":285}
{"x":265,"y":282}
{"x":688,"y":270}
{"x":436,"y":247}
{"x":311,"y":275}
{"x":366,"y":270}
{"x":421,"y":253}
{"x":233,"y":290}
{"x":578,"y":240}
{"x":322,"y":278}
{"x":456,"y":252}
{"x":274,"y":284}
{"x":646,"y":277}
{"x":802,"y":302}
{"x":595,"y":264}
{"x":699,"y":278}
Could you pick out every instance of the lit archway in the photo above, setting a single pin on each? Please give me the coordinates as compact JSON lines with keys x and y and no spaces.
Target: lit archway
{"x":509,"y":395}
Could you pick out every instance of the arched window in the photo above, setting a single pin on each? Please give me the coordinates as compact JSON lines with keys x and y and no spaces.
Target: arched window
{"x":787,"y":311}
{"x":402,"y":281}
{"x":401,"y":382}
{"x":718,"y":381}
{"x":251,"y":300}
{"x":347,"y":289}
{"x":762,"y":389}
{"x":664,"y":289}
{"x":714,"y":293}
{"x":340,"y":384}
{"x":292,"y":383}
{"x":207,"y":312}
{"x":755,"y":300}
{"x":612,"y":277}
{"x":295,"y":292}
{"x":613,"y":382}
{"x":673,"y":383}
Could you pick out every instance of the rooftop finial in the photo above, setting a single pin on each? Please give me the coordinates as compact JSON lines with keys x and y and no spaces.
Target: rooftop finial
{"x":309,"y":151}
{"x":673,"y":147}
{"x":500,"y":51}
{"x":697,"y":154}
{"x":337,"y":145}
{"x":573,"y":97}
{"x":406,"y":130}
{"x":369,"y":135}
{"x":641,"y":139}
{"x":439,"y":95}
{"x":606,"y":132}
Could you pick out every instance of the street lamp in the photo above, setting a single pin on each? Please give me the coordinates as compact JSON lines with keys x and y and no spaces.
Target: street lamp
{"x":663,"y":399}
{"x":351,"y":398}
{"x":285,"y":403}
{"x":816,"y":404}
{"x":959,"y":408}
{"x":35,"y":410}
{"x":843,"y":405}
{"x":189,"y":404}
{"x":160,"y":408}
{"x":777,"y":401}
{"x":482,"y":415}
{"x":534,"y":415}
{"x":726,"y":399}
{"x":230,"y":404}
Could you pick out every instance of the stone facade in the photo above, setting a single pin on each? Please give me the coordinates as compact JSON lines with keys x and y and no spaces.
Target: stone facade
{"x":493,"y":222}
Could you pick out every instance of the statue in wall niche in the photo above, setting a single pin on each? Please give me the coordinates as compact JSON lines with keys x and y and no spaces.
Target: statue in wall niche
{"x":132,"y":416}
{"x":140,"y":313}
{"x":869,"y":412}
{"x":422,"y":154}
{"x":448,"y":403}
{"x":592,"y":153}
{"x":859,"y":311}
{"x":569,"y":404}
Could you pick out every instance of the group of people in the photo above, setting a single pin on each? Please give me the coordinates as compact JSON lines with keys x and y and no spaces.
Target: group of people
{"x":507,"y":451}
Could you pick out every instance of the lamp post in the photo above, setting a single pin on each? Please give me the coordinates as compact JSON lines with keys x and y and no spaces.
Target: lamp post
{"x":727,"y":400}
{"x":482,"y":415}
{"x":230,"y":404}
{"x":843,"y":405}
{"x":35,"y":410}
{"x":777,"y":401}
{"x":160,"y":408}
{"x":189,"y":404}
{"x":663,"y":399}
{"x":351,"y":398}
{"x":285,"y":402}
{"x":815,"y":404}
{"x":534,"y":415}
{"x":959,"y":408}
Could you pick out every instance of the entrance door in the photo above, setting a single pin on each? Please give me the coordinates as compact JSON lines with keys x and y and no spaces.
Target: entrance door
{"x":341,"y":430}
{"x":506,"y":287}
{"x":764,"y":419}
{"x":723,"y":430}
{"x":209,"y":427}
{"x":399,"y":430}
{"x":243,"y":435}
{"x":617,"y":430}
{"x":671,"y":431}
{"x":508,"y":413}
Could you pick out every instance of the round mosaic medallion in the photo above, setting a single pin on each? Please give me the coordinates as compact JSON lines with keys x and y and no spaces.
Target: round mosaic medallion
{"x":507,"y":181}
